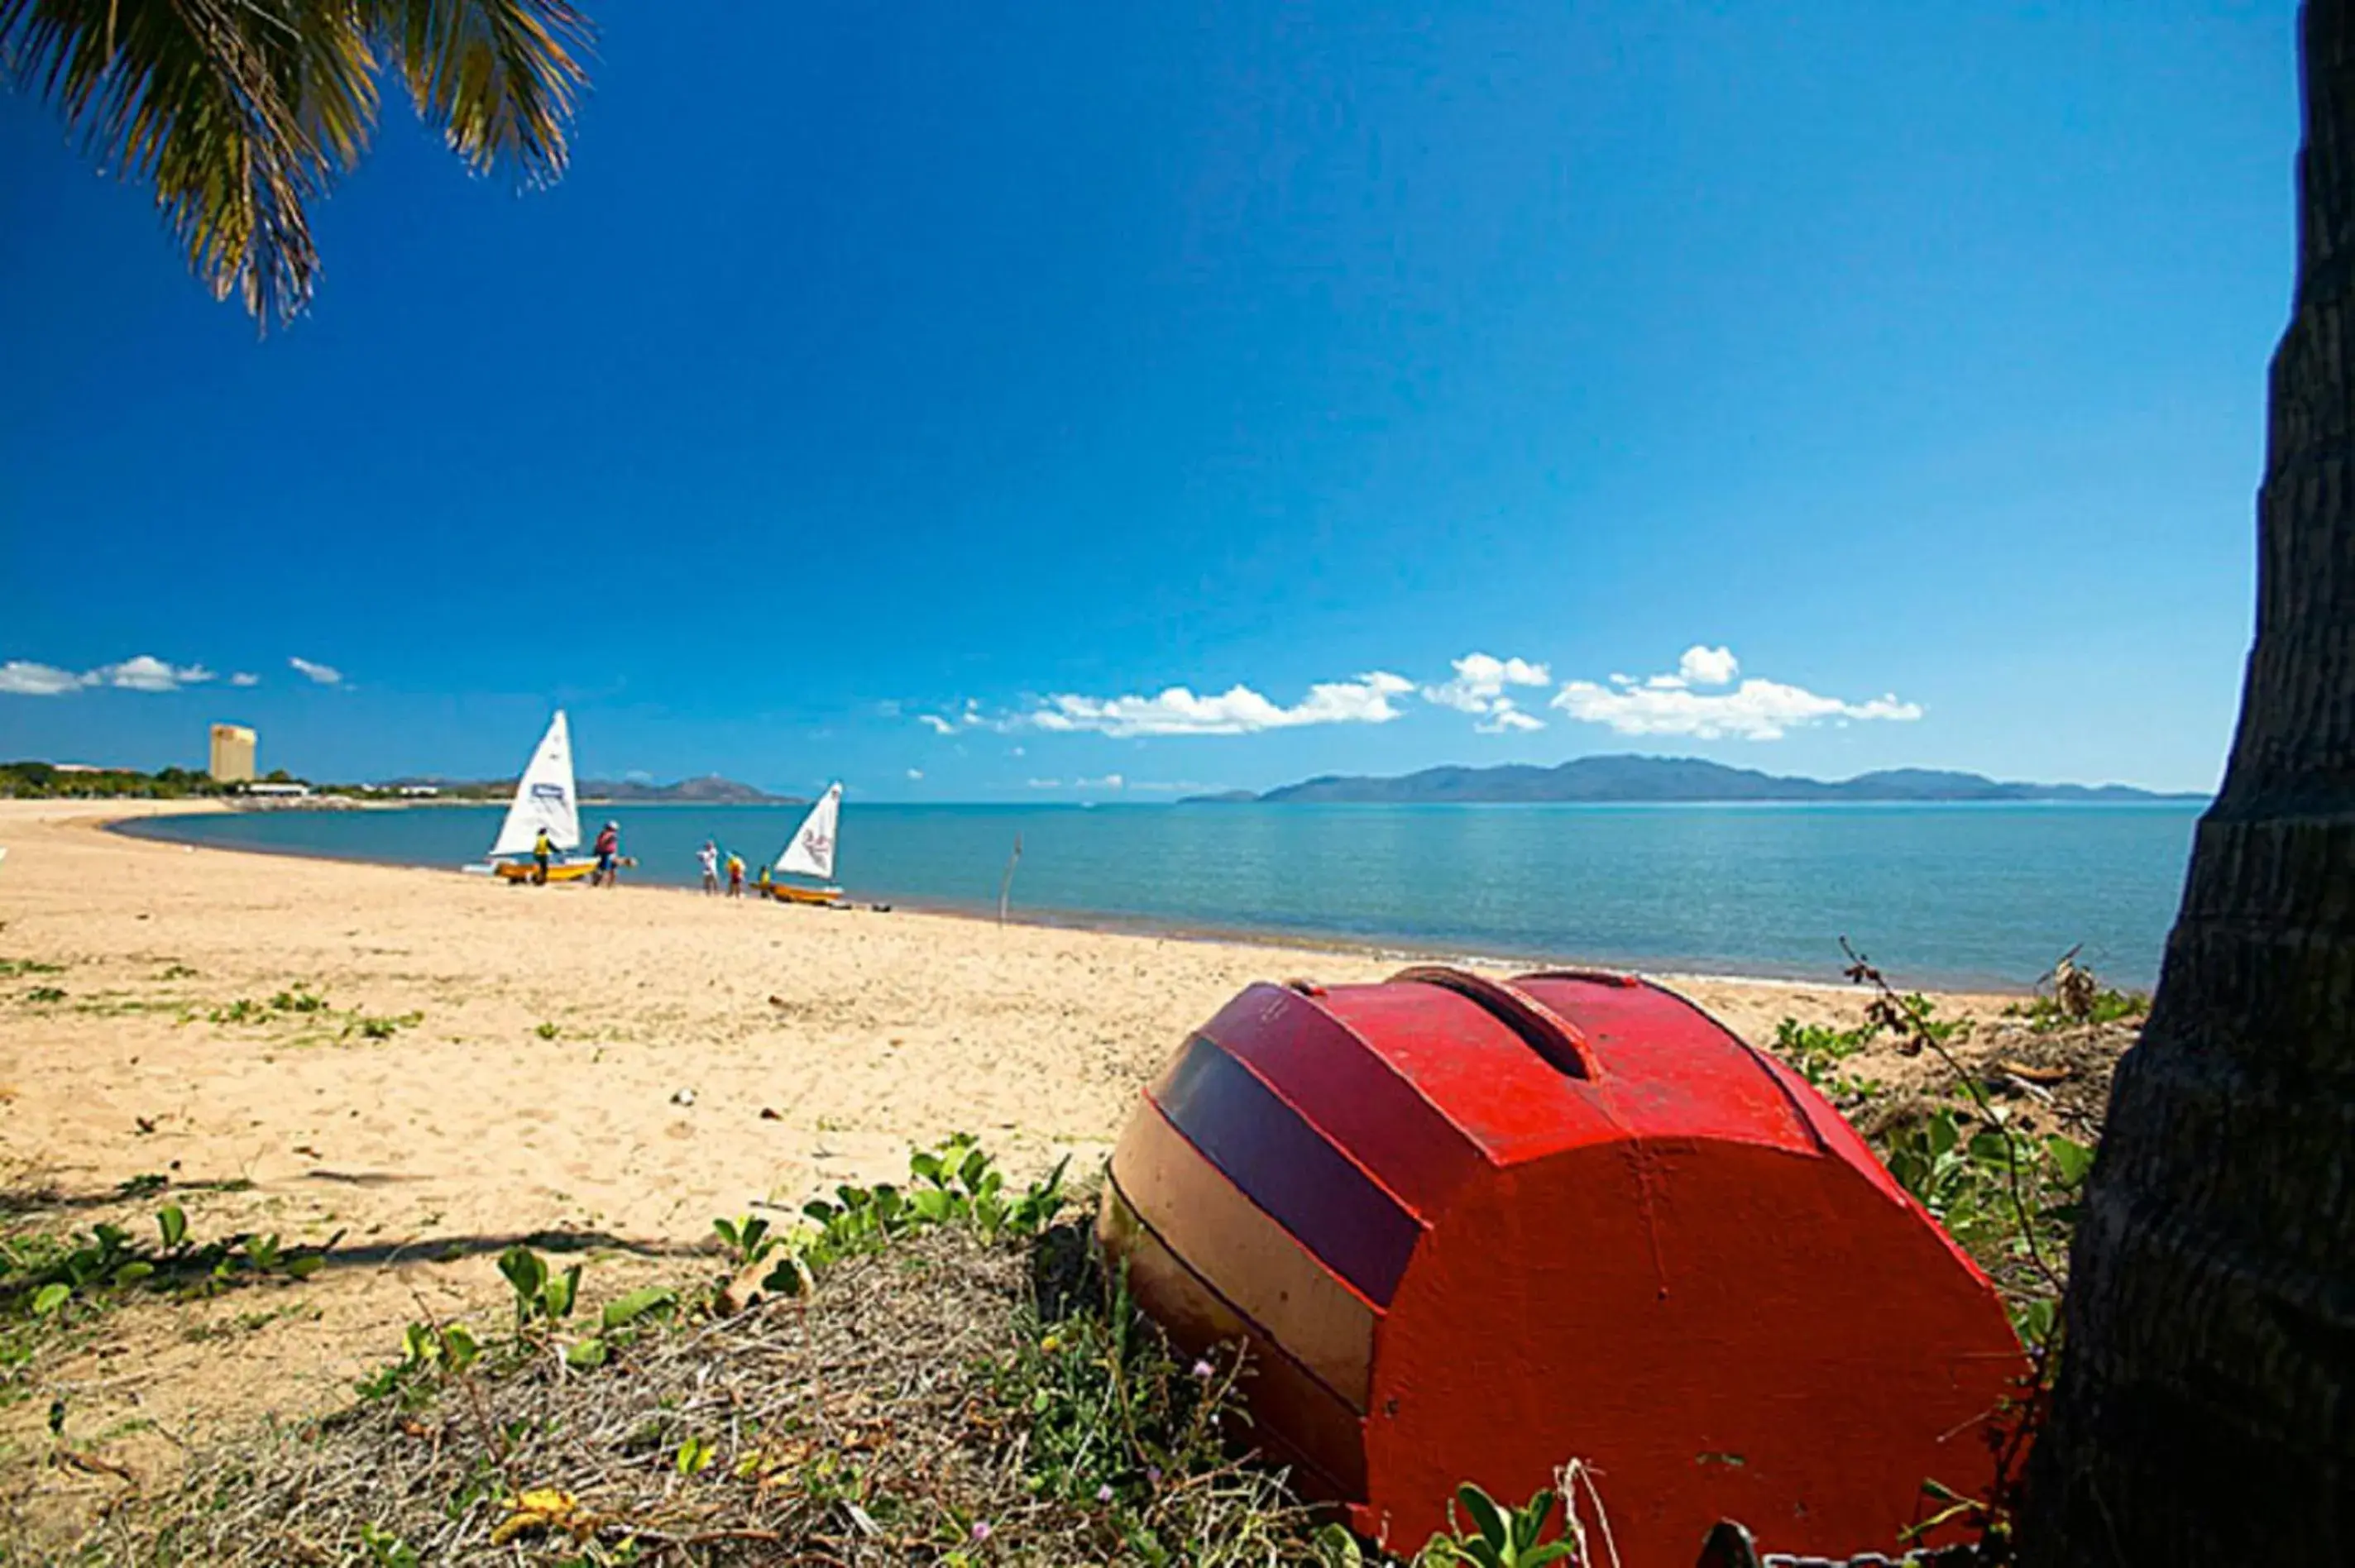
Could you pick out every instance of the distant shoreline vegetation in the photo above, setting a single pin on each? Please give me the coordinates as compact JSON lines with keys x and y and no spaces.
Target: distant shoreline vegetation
{"x":72,"y":781}
{"x":1632,"y":780}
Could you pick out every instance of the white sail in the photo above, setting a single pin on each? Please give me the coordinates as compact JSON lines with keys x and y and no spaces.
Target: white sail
{"x":544,"y":797}
{"x":811,"y":853}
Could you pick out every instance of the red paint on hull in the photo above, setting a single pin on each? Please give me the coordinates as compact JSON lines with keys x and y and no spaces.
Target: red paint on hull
{"x":1471,"y":1236}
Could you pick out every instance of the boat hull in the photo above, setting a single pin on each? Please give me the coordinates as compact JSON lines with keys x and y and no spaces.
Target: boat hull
{"x":786,"y":893}
{"x":558,"y":870}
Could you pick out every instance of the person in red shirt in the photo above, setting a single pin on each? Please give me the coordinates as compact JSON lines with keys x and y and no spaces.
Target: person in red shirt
{"x":609,"y":855}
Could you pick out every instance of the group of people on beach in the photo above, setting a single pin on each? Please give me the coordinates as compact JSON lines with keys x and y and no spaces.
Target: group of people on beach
{"x":608,"y":872}
{"x":709,"y":858}
{"x":608,"y":848}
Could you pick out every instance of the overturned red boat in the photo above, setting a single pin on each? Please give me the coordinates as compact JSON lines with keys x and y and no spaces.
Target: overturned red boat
{"x":1473,"y":1229}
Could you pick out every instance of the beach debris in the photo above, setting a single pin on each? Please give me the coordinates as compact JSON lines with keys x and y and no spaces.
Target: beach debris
{"x":683,"y":1097}
{"x":2012,"y":1084}
{"x":747,"y":1288}
{"x":2074,"y":987}
{"x":306,"y":1149}
{"x":779,"y":1002}
{"x":546,"y":1509}
{"x":143,"y":1123}
{"x":769,"y":1113}
{"x":2060,"y":1074}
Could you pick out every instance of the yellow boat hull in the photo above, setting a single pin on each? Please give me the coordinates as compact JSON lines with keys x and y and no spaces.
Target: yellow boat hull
{"x":558,"y":871}
{"x":786,"y":893}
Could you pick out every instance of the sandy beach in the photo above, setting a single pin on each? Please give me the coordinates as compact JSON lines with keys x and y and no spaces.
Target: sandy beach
{"x":605,"y":1070}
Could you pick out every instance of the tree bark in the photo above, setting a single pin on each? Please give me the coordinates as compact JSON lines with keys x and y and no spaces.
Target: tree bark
{"x":2202,"y":1414}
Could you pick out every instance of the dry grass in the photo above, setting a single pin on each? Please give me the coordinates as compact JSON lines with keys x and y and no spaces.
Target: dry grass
{"x":883,"y":1419}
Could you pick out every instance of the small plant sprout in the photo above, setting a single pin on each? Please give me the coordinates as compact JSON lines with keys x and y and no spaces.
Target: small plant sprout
{"x":747,"y":1239}
{"x":542,"y":1298}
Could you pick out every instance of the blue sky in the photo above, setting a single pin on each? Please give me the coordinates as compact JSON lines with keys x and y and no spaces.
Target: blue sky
{"x":927,"y":389}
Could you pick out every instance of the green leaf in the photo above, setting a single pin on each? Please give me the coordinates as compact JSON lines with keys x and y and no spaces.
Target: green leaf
{"x":2072,"y":1159}
{"x":925,"y":1165}
{"x":1487,"y":1517}
{"x":1551,"y":1551}
{"x":49,"y":1297}
{"x":785,"y":1280}
{"x":459,"y":1347}
{"x":524,"y":1271}
{"x":134,"y":1272}
{"x":560,"y":1292}
{"x":173,"y":1221}
{"x":625,"y":1310}
{"x":1529,"y":1522}
{"x":306,"y":1265}
{"x":586,"y":1355}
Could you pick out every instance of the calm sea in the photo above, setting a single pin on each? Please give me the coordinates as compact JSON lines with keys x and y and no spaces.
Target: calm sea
{"x":1937,"y":895}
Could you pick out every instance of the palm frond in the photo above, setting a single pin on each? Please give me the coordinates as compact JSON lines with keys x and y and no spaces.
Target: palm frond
{"x":240,"y":112}
{"x":499,"y":77}
{"x":235,"y":110}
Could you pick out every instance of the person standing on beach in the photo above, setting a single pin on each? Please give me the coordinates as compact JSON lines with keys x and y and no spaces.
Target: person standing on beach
{"x":609,"y":855}
{"x":735,"y":874}
{"x":542,"y":849}
{"x":709,"y":858}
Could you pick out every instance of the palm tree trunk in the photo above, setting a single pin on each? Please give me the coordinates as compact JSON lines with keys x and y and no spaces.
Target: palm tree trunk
{"x":2204,"y":1413}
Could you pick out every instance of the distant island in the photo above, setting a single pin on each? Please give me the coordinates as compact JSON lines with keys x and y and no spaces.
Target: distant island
{"x":1629,"y":778}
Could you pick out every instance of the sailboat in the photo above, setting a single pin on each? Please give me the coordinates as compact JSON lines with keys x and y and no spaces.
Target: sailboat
{"x":544,"y":798}
{"x":811,"y":853}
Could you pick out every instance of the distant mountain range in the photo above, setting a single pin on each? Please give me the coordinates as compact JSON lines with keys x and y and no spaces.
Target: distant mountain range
{"x":1640,"y":779}
{"x":709,"y":790}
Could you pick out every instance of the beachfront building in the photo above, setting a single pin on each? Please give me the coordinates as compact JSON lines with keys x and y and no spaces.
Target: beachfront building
{"x":232,"y":753}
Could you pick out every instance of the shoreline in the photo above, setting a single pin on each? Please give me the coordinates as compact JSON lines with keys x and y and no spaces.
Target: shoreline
{"x":432,"y":1066}
{"x":150,"y":827}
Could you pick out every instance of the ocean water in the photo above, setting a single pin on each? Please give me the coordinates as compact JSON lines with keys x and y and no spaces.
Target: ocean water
{"x":1937,"y":895}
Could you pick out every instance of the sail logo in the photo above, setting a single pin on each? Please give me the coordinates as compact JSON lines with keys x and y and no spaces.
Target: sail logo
{"x":819,"y":846}
{"x":549,"y":792}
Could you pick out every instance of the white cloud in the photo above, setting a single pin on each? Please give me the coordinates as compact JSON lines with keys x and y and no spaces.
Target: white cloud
{"x":915,"y":773}
{"x":1018,"y":751}
{"x":326,"y":674}
{"x":1754,"y":710}
{"x":1702,"y":666}
{"x":245,"y":678}
{"x":1046,"y":783}
{"x":1239,"y":710}
{"x":1109,"y":781}
{"x":939,"y":724}
{"x":1480,"y":682}
{"x":23,"y":678}
{"x":1505,"y":718}
{"x":146,"y":673}
{"x":140,"y":672}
